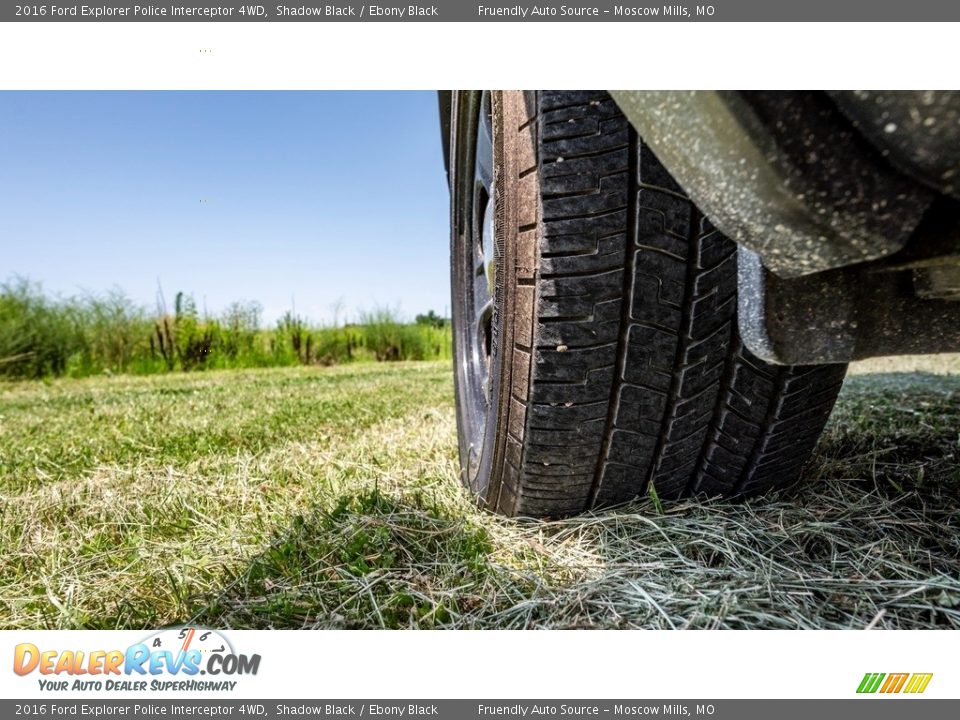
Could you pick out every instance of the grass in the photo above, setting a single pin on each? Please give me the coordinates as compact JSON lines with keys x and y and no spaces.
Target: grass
{"x":327,"y":497}
{"x":43,"y":336}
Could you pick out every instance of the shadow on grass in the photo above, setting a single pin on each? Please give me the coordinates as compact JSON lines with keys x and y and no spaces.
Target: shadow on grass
{"x":871,"y":538}
{"x":372,"y":561}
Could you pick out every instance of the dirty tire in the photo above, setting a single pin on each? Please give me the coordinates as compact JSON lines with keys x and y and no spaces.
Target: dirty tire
{"x":614,"y":362}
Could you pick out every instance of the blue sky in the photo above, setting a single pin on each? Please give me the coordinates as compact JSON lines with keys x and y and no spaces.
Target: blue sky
{"x":311,"y":198}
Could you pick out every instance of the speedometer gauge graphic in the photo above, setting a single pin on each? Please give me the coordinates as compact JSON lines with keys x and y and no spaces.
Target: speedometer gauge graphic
{"x":182,"y":639}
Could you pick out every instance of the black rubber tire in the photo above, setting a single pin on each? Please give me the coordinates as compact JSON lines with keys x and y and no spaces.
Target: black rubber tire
{"x":616,"y":363}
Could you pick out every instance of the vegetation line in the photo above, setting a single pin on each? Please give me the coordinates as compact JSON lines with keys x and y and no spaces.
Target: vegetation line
{"x":43,"y":336}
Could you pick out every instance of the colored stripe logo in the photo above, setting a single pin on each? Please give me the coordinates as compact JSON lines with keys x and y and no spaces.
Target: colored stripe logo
{"x":913,"y":683}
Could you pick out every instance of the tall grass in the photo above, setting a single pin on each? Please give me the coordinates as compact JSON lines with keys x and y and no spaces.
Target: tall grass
{"x":44,"y":336}
{"x":390,"y":339}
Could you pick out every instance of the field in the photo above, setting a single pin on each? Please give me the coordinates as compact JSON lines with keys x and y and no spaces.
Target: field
{"x":328,"y":497}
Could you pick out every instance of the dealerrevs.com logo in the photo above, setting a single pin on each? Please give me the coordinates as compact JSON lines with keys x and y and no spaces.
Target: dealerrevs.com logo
{"x":889,"y":683}
{"x":179,"y":659}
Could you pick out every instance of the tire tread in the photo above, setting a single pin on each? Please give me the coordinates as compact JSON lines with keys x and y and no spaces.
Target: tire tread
{"x":635,"y":375}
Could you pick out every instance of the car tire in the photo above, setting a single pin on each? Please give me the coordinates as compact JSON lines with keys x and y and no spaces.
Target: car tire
{"x":596,"y":348}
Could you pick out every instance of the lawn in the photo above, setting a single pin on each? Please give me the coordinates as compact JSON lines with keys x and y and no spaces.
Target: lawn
{"x":328,"y":497}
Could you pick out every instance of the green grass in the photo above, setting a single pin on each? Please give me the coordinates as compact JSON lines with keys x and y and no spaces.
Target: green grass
{"x":328,"y":497}
{"x":43,"y":336}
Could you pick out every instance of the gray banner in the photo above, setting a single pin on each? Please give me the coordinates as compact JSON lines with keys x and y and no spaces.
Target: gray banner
{"x":482,"y":10}
{"x":872,"y":708}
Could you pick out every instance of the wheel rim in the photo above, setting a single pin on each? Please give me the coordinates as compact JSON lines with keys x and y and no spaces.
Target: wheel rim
{"x":484,"y":271}
{"x":477,"y":261}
